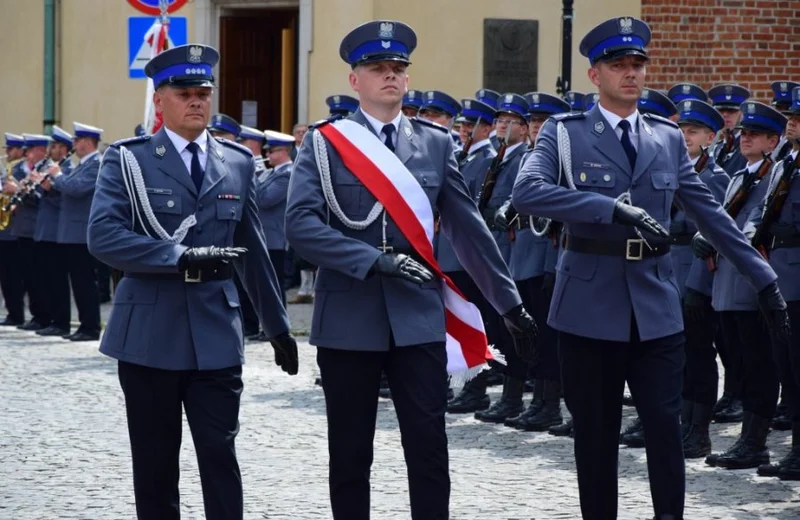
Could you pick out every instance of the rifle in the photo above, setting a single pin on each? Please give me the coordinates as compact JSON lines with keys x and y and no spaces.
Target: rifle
{"x":489,"y":182}
{"x":774,"y":207}
{"x":727,"y":147}
{"x":471,"y":139}
{"x":734,"y":206}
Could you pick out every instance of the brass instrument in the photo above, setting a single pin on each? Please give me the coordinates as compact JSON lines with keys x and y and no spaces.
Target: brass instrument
{"x":26,"y":190}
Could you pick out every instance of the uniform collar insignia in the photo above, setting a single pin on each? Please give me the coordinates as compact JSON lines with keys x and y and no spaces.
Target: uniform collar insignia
{"x":599,"y":127}
{"x":161,"y":150}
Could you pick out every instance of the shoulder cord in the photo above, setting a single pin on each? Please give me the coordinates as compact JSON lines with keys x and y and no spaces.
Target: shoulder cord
{"x":564,"y":167}
{"x":140,"y":202}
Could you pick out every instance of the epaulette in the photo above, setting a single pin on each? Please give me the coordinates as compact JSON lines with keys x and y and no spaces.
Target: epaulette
{"x":660,"y":119}
{"x":430,"y":124}
{"x":236,"y":146}
{"x":131,"y":140}
{"x":322,"y":122}
{"x":567,"y":116}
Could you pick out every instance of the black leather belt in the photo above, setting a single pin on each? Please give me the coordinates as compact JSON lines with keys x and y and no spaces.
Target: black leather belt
{"x":785,"y":242}
{"x":630,"y":249}
{"x":683,"y":239}
{"x":191,"y":275}
{"x":523,"y":222}
{"x":403,"y":250}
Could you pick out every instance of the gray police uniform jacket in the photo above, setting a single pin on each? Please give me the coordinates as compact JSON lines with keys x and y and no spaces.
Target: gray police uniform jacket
{"x":596,"y":296}
{"x":170,"y":324}
{"x":357,"y":310}
{"x":77,"y":190}
{"x":472,"y":168}
{"x":690,"y":271}
{"x":23,"y":223}
{"x":49,"y":209}
{"x":528,"y":251}
{"x":271,"y":200}
{"x":731,"y":290}
{"x":506,"y":175}
{"x":785,"y":260}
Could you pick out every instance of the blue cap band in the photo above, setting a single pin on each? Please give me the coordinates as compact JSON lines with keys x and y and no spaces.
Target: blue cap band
{"x":185,"y":71}
{"x":543,"y":108}
{"x":763,"y":122}
{"x":630,"y":42}
{"x":697,"y":117}
{"x":441,"y":105}
{"x":378,"y":48}
{"x":475,"y":114}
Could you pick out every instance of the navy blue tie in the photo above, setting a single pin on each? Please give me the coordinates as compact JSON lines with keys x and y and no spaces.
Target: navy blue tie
{"x":627,"y":144}
{"x":197,"y":170}
{"x":388,"y":131}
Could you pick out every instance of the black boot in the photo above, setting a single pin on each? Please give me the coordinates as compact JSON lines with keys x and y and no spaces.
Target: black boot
{"x":562,"y":430}
{"x":472,"y":396}
{"x":722,"y":403}
{"x":697,"y":442}
{"x":384,"y":390}
{"x":782,"y":420}
{"x":633,"y":436}
{"x":536,"y":404}
{"x":788,"y":468}
{"x":686,"y":417}
{"x":731,"y":413}
{"x":550,"y":413}
{"x":712,"y":459}
{"x":752,"y":452}
{"x":509,"y":405}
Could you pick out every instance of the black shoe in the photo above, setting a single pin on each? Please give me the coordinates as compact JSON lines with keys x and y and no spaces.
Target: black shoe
{"x":509,"y":405}
{"x":9,"y":322}
{"x":753,"y":451}
{"x":259,"y":338}
{"x":550,"y":412}
{"x":627,"y":400}
{"x":789,"y":466}
{"x":733,"y":413}
{"x":697,"y":442}
{"x":562,"y":430}
{"x":384,"y":391}
{"x":712,"y":459}
{"x":472,"y":397}
{"x":633,"y":436}
{"x":52,"y":330}
{"x":31,"y":326}
{"x":84,"y":336}
{"x":252,"y":335}
{"x":781,"y":421}
{"x":722,"y":403}
{"x":533,"y":408}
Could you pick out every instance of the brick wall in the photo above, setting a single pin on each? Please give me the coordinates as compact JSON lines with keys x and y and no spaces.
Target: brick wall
{"x":749,"y":42}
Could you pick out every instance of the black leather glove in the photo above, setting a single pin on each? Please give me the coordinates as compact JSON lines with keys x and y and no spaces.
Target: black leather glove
{"x":209,"y":256}
{"x":401,"y":266}
{"x":524,"y":331}
{"x":774,"y":309}
{"x":549,"y":285}
{"x":701,"y":247}
{"x":504,"y":215}
{"x":285,"y":348}
{"x":633,"y":216}
{"x":696,"y":306}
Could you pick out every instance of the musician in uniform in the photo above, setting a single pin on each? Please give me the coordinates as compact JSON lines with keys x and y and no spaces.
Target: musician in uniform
{"x":253,"y":139}
{"x":23,"y":226}
{"x":372,"y":273}
{"x":745,"y":334}
{"x":783,"y":248}
{"x":271,"y":195}
{"x":727,"y":99}
{"x":175,"y":327}
{"x":10,"y":279}
{"x":530,"y":254}
{"x":56,"y":275}
{"x":616,"y":305}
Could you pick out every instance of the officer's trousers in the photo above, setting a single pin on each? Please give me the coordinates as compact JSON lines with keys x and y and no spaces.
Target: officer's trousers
{"x":11,"y":280}
{"x":593,"y":378}
{"x":31,"y":267}
{"x":787,"y":362}
{"x":278,"y":259}
{"x":747,"y":333}
{"x":83,"y":278}
{"x":538,"y":304}
{"x":154,"y":400}
{"x":701,"y":377}
{"x":55,"y":278}
{"x":418,"y":381}
{"x":731,"y":358}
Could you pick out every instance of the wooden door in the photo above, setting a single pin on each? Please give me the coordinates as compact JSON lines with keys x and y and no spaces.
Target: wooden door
{"x":251,"y":63}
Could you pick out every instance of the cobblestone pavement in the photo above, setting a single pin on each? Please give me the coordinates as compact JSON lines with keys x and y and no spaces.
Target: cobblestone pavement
{"x":64,"y":451}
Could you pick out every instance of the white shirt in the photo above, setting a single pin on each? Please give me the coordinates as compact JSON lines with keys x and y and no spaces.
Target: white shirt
{"x":613,"y":119}
{"x":378,"y":126}
{"x":287,"y":164}
{"x":475,"y":148}
{"x":89,"y":156}
{"x":510,"y":149}
{"x":186,"y":156}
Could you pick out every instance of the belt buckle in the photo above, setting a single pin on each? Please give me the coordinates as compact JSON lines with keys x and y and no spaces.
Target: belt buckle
{"x":385,"y":248}
{"x":634,"y":256}
{"x":188,"y":278}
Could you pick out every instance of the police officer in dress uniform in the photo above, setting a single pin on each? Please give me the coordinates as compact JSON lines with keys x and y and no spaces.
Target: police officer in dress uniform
{"x":686,"y":92}
{"x":23,"y":226}
{"x":412,"y":102}
{"x":10,"y":270}
{"x":341,"y":105}
{"x":368,"y":275}
{"x":490,"y":97}
{"x":616,"y":304}
{"x":139,"y":130}
{"x":56,"y":275}
{"x":590,"y":100}
{"x":478,"y":118}
{"x":530,"y":254}
{"x":271,"y":195}
{"x":727,"y":99}
{"x":224,"y":127}
{"x":784,"y":257}
{"x":175,"y":327}
{"x":77,"y":186}
{"x":576,"y":101}
{"x":441,"y":108}
{"x":746,"y":337}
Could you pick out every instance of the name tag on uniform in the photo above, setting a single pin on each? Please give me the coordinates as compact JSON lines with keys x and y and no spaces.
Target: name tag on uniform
{"x":159,"y":191}
{"x":226,"y":196}
{"x":587,"y":164}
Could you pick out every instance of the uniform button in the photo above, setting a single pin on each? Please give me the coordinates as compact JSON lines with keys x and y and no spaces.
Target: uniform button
{"x":165,"y":258}
{"x":200,"y":206}
{"x":171,"y":204}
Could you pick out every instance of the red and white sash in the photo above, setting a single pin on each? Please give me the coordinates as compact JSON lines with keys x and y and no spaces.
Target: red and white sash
{"x":389,"y":181}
